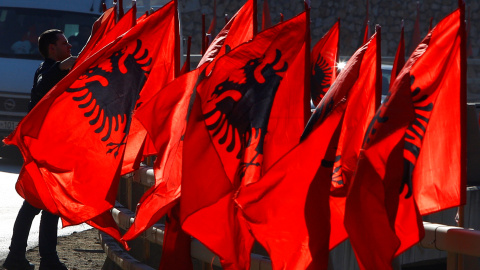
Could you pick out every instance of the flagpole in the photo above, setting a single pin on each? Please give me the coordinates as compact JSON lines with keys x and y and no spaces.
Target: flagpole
{"x":337,"y":58}
{"x":203,"y":34}
{"x":177,"y":41}
{"x":306,"y":98}
{"x":255,"y":20}
{"x":463,"y":122}
{"x":463,"y":110}
{"x":120,"y":9}
{"x":378,"y":82}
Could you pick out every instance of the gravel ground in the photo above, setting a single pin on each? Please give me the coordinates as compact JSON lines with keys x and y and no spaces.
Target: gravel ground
{"x":79,"y":251}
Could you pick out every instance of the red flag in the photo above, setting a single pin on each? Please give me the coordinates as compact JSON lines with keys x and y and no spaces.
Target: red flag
{"x":83,"y":119}
{"x":176,"y":244}
{"x":170,"y":107}
{"x":266,"y":20}
{"x":99,"y":29}
{"x":409,"y":145}
{"x":138,"y":142}
{"x":237,"y":31}
{"x":324,"y":60}
{"x":223,"y":144}
{"x":415,"y":39}
{"x":297,"y":187}
{"x":399,"y":61}
{"x":158,"y":200}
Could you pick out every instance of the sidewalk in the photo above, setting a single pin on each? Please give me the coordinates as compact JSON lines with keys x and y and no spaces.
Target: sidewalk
{"x":79,"y":251}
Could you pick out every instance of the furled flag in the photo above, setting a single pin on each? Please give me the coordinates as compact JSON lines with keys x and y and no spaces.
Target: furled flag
{"x":324,"y":60}
{"x":412,"y":161}
{"x":85,"y":119}
{"x":223,"y":144}
{"x":399,"y":60}
{"x":298,"y":186}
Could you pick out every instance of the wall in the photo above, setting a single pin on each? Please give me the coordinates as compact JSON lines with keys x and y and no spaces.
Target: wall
{"x":387,"y":13}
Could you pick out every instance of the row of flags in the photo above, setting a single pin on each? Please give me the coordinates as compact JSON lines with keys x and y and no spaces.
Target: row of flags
{"x":236,"y":160}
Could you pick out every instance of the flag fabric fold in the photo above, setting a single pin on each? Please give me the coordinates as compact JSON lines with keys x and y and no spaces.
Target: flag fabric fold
{"x":170,"y":107}
{"x":404,"y":170}
{"x":223,"y":144}
{"x":86,"y":118}
{"x":297,"y":187}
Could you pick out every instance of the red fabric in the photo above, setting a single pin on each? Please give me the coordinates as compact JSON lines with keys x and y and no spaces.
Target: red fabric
{"x":170,"y":106}
{"x":139,"y":144}
{"x":101,"y":26}
{"x":381,"y":221}
{"x":324,"y":60}
{"x":84,"y":119}
{"x":399,"y":61}
{"x":287,"y":119}
{"x":298,"y":186}
{"x":266,"y":19}
{"x":176,"y":244}
{"x":237,"y":31}
{"x":223,"y":144}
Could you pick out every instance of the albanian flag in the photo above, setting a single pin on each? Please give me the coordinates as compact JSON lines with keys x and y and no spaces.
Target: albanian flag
{"x":324,"y":58}
{"x":139,"y":144}
{"x":412,"y":161}
{"x":83,"y":120}
{"x":298,"y":186}
{"x":223,"y":143}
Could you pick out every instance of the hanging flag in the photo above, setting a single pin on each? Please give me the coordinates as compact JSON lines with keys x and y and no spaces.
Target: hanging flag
{"x":324,"y":61}
{"x":223,"y":144}
{"x":298,"y":186}
{"x":410,"y":163}
{"x":266,"y":19}
{"x":399,"y":61}
{"x":86,"y":118}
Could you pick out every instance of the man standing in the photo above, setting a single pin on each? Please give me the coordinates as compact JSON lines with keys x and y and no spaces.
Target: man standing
{"x":56,"y":51}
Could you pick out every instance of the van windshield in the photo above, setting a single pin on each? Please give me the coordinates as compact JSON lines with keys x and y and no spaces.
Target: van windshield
{"x":20,"y":28}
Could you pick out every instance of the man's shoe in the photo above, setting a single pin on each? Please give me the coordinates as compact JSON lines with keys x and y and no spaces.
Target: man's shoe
{"x":52,"y":266}
{"x":24,"y":264}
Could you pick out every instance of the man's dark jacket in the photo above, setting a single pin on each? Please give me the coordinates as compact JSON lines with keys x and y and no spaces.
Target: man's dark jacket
{"x":46,"y":76}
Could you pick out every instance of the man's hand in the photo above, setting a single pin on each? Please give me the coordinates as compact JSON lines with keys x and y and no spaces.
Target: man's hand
{"x":67,"y":63}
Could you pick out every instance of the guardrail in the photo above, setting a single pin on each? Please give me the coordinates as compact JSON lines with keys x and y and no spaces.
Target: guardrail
{"x":453,"y":240}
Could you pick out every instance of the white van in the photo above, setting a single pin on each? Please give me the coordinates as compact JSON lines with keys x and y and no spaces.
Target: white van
{"x":21,"y":22}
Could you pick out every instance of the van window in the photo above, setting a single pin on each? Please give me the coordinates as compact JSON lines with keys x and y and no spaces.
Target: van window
{"x":20,"y":28}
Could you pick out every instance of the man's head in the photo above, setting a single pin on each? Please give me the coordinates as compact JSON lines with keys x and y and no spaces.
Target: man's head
{"x":53,"y":44}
